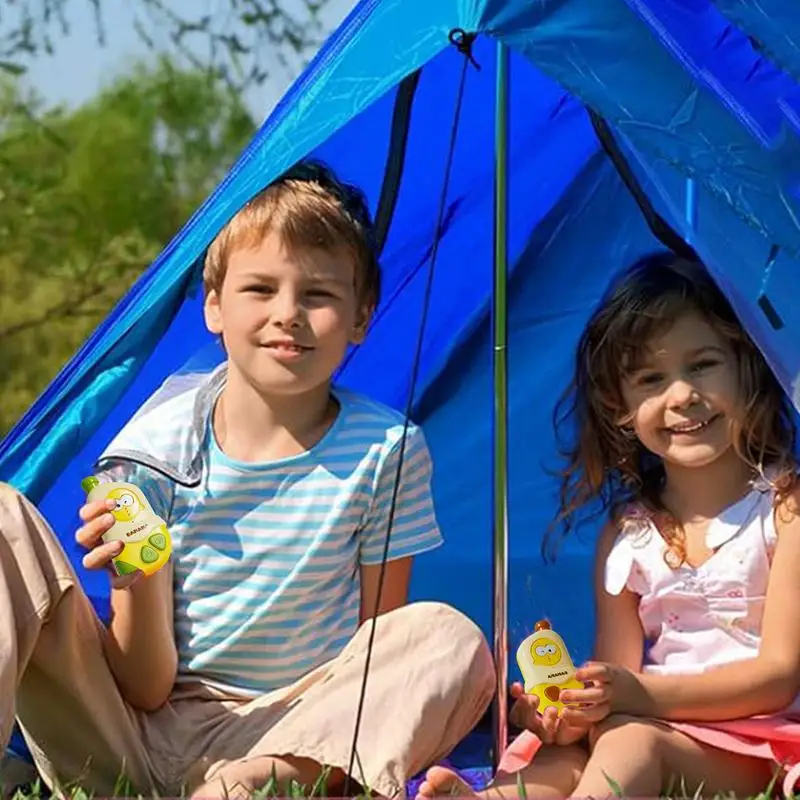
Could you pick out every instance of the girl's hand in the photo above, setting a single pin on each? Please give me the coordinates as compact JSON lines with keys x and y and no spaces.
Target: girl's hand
{"x":548,"y":726}
{"x":610,"y":688}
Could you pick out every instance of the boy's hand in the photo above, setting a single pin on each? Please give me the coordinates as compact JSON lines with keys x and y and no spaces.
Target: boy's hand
{"x":97,"y":521}
{"x":549,"y":726}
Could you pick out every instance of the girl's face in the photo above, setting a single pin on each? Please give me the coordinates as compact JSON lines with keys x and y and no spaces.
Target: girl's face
{"x":683,"y":397}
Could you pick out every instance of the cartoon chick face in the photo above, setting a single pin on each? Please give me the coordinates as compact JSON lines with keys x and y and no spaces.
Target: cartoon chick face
{"x":127,"y":505}
{"x":546,"y":652}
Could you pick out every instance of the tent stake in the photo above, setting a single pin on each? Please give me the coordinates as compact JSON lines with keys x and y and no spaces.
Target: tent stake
{"x":500,"y":428}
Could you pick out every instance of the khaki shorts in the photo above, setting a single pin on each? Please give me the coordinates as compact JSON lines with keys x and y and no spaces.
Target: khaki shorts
{"x":431,"y":679}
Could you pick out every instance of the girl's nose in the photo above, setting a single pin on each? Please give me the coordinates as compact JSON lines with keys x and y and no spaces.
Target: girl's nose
{"x":682,"y":394}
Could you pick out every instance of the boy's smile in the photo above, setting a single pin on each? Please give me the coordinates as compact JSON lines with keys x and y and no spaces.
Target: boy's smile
{"x":286,"y":318}
{"x":287,"y":349}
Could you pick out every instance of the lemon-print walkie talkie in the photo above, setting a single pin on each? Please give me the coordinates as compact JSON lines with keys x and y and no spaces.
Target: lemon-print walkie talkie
{"x":546,"y":666}
{"x":147,"y":540}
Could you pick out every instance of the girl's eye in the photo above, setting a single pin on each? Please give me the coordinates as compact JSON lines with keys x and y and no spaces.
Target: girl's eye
{"x":701,"y":365}
{"x":650,"y":379}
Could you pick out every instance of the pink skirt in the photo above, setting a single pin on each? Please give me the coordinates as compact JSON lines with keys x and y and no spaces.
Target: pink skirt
{"x":774,"y":738}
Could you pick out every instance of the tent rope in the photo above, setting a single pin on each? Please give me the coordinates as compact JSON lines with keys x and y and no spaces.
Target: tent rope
{"x":463,"y":43}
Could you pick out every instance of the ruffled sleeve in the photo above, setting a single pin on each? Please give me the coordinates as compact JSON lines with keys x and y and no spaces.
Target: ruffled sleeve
{"x":623,"y":568}
{"x":619,"y":565}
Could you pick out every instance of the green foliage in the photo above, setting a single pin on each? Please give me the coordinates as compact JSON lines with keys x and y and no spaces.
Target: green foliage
{"x":236,"y":39}
{"x":88,"y":197}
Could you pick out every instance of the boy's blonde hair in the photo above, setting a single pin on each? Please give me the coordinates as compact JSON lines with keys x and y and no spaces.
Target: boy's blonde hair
{"x":308,"y":208}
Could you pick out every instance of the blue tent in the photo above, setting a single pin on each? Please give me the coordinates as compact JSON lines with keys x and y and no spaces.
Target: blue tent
{"x":688,"y":109}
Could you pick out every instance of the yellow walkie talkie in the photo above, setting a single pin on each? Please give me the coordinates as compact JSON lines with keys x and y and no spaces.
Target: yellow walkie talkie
{"x":546,"y":666}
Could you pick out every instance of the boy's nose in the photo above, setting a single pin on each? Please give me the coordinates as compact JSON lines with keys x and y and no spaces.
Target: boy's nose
{"x":286,"y":311}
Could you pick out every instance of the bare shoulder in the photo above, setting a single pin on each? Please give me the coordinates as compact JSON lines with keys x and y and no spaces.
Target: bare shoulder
{"x":787,"y":509}
{"x":609,"y":534}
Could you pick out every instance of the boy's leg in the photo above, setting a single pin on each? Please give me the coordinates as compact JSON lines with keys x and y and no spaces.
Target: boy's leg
{"x":53,"y":671}
{"x":431,"y":679}
{"x":645,"y":758}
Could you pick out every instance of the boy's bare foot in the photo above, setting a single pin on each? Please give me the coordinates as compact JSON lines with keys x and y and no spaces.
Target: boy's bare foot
{"x":443,"y":782}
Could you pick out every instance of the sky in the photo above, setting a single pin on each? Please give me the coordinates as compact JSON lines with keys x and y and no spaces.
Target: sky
{"x":79,"y":66}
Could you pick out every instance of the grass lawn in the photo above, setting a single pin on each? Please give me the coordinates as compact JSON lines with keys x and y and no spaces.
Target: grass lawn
{"x":14,"y":772}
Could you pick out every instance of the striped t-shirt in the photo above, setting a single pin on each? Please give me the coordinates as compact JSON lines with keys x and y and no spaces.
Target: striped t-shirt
{"x":267,"y":556}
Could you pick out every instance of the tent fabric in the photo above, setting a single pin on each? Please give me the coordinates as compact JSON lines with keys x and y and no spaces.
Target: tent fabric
{"x":704,"y":101}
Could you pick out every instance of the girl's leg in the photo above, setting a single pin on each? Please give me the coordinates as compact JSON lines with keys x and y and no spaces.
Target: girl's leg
{"x":554,"y":773}
{"x":645,"y":758}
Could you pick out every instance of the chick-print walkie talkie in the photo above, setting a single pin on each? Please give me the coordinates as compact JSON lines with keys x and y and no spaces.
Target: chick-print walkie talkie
{"x":546,"y":666}
{"x":147,"y":540}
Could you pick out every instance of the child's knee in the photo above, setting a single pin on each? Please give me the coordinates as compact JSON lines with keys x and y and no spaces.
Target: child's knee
{"x":617,"y":729}
{"x":439,"y":634}
{"x":461,"y":641}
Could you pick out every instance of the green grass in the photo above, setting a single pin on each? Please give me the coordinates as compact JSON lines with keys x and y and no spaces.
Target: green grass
{"x":123,"y":788}
{"x":293,"y":789}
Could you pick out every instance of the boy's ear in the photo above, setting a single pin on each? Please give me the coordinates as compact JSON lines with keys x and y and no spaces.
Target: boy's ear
{"x":363,"y":318}
{"x":211,"y":312}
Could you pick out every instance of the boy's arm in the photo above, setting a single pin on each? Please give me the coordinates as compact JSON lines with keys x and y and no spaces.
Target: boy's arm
{"x":140,"y":637}
{"x":395,"y":586}
{"x":413,"y":527}
{"x":140,"y":640}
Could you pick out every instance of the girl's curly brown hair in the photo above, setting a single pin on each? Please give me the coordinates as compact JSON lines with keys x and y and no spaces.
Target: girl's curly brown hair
{"x":603,"y":463}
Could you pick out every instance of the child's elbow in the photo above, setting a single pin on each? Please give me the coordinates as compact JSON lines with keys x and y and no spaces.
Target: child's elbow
{"x":151,"y":696}
{"x":153,"y":692}
{"x":782,"y":678}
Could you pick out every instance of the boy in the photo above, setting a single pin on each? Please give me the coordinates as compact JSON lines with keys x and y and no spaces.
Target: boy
{"x":244,"y":656}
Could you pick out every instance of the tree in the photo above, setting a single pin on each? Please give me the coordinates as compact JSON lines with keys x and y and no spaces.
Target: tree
{"x":89,"y":197}
{"x":235,"y":39}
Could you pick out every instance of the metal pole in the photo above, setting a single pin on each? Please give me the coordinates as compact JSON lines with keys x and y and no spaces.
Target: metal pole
{"x":691,"y":209}
{"x":500,"y":428}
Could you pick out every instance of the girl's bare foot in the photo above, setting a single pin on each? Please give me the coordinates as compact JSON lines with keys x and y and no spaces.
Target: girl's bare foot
{"x":443,"y":782}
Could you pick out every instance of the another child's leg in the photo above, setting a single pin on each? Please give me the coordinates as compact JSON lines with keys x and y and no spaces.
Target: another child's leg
{"x":645,"y":758}
{"x":554,"y":773}
{"x":53,"y":672}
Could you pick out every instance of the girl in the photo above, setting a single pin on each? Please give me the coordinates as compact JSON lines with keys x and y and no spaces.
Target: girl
{"x":685,"y":439}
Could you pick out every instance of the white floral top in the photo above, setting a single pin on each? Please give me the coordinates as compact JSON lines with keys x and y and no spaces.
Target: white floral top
{"x":697,"y":617}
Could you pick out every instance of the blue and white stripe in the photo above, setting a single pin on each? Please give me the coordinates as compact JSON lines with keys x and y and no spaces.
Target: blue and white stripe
{"x":267,"y":556}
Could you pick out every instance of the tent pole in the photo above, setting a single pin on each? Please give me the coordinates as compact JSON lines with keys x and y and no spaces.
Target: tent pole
{"x":500,"y":428}
{"x":691,"y":208}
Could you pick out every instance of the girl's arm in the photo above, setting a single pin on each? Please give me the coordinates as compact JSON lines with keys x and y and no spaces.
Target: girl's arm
{"x":763,"y":685}
{"x":619,"y":638}
{"x":619,"y":641}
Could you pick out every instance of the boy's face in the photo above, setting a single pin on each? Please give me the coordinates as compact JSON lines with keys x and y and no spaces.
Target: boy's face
{"x":286,"y":319}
